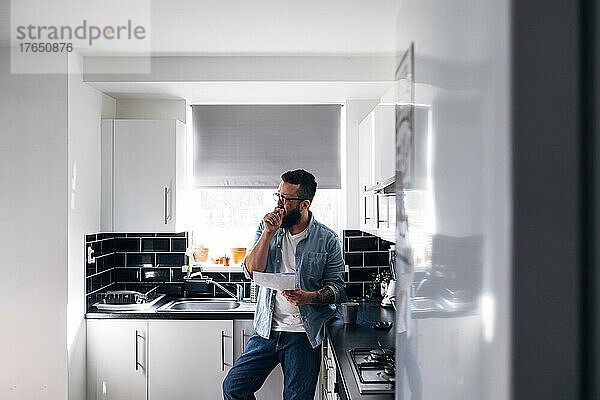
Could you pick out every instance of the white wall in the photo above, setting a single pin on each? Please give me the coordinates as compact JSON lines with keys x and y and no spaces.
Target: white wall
{"x":33,"y":177}
{"x":151,"y":109}
{"x":86,"y":107}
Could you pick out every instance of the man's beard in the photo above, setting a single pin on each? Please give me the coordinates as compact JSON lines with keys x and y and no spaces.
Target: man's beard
{"x":291,"y":218}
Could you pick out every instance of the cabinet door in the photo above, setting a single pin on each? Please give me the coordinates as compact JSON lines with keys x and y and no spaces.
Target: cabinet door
{"x":188,"y":360}
{"x":384,"y":142}
{"x":116,"y":359}
{"x":365,"y":181}
{"x":273,"y":386}
{"x":144,"y":175}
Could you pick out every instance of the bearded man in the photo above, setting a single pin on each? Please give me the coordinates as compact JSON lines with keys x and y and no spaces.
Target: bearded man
{"x":290,"y":325}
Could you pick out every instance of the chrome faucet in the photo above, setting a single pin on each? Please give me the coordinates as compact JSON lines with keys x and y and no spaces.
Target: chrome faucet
{"x":198,"y":277}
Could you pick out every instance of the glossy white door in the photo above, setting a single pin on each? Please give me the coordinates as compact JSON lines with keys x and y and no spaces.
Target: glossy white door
{"x":454,"y":223}
{"x":144,"y":175}
{"x":188,"y":360}
{"x":116,"y":359}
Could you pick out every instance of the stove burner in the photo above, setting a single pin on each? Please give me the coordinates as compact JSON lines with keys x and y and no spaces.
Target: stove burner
{"x":389,"y":370}
{"x":381,"y":354}
{"x":369,"y":361}
{"x":383,"y":375}
{"x":373,"y":369}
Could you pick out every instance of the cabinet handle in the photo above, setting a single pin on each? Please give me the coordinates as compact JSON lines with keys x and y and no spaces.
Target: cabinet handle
{"x":165,"y":204}
{"x":379,"y":214}
{"x":366,"y":218}
{"x":137,"y":363}
{"x":244,"y":342}
{"x":223,"y":363}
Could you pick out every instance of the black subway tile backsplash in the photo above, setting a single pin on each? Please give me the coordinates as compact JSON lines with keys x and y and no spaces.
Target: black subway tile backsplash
{"x":118,"y":260}
{"x":369,"y":243}
{"x":156,"y":274}
{"x":177,"y":274}
{"x":362,"y":274}
{"x":90,"y":269}
{"x":378,"y":258}
{"x":140,"y":259}
{"x":354,"y":290}
{"x":352,"y":232}
{"x":384,"y":245}
{"x":353,"y":259}
{"x":121,"y":257}
{"x":364,"y":255}
{"x":178,"y":244}
{"x":126,"y":274}
{"x":162,"y":244}
{"x":171,"y":289}
{"x":170,"y":259}
{"x":237,"y":277}
{"x":179,"y":234}
{"x":129,"y":244}
{"x":218,"y":276}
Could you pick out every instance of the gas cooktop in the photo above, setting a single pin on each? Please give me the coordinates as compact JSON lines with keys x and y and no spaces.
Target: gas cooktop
{"x":373,"y":369}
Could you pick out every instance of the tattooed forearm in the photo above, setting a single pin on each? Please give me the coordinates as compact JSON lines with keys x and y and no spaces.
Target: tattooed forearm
{"x":324,"y":296}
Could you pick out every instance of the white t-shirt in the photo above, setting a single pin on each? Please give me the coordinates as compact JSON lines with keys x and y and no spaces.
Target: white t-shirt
{"x":286,"y":317}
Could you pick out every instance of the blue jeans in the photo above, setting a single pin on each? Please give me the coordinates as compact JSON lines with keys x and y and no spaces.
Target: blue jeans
{"x":299,"y":361}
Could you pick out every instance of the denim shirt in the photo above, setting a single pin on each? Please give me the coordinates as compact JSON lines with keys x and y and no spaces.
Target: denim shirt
{"x":319,"y":263}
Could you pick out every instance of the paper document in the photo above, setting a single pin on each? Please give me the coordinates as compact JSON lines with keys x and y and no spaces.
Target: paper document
{"x":279,"y":281}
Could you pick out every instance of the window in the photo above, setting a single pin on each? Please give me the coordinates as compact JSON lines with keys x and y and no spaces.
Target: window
{"x":225,"y":218}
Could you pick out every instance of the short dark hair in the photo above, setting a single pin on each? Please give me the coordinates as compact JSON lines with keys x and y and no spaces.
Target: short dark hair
{"x":306,"y":180}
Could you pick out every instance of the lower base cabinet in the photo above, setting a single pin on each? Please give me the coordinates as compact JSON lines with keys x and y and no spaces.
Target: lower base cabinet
{"x":169,"y":359}
{"x":327,"y":386}
{"x":116,"y":359}
{"x":188,"y":359}
{"x":273,"y":386}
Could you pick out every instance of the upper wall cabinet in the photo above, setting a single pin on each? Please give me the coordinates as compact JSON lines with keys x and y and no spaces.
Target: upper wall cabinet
{"x":143,"y":175}
{"x":377,"y":133}
{"x":377,"y":164}
{"x":384,"y":143}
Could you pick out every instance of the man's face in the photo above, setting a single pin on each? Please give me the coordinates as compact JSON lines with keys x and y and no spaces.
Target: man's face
{"x":292,"y":208}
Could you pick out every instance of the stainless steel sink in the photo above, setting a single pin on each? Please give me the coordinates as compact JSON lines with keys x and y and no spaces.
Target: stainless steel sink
{"x":199,"y":305}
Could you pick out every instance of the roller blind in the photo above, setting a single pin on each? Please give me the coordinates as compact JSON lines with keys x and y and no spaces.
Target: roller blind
{"x":243,"y":146}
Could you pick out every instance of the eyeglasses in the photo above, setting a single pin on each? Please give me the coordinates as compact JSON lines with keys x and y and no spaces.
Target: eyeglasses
{"x":279,"y":197}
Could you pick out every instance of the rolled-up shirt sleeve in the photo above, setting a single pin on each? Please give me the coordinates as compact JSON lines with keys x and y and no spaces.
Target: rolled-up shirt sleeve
{"x":259,"y":231}
{"x":333,"y":272}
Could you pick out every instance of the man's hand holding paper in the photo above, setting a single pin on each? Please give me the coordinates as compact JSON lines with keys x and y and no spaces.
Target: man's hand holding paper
{"x":276,"y":281}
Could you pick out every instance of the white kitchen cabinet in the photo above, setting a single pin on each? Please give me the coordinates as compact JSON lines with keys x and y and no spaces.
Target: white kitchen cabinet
{"x":273,"y":386}
{"x":117,"y":359}
{"x":384,"y":143}
{"x":328,"y":375}
{"x":365,"y":172}
{"x":188,"y":359}
{"x":365,"y":143}
{"x":143,"y":175}
{"x":377,"y":164}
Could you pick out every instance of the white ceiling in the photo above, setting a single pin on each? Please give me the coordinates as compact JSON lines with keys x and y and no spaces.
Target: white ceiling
{"x":274,"y":26}
{"x":194,"y":27}
{"x":244,"y":28}
{"x":246,"y":92}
